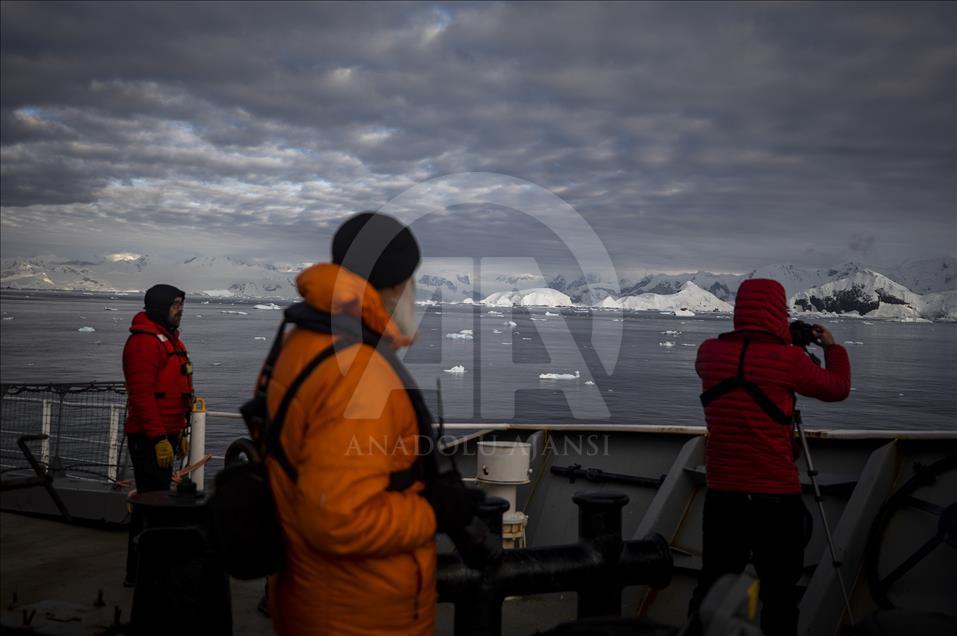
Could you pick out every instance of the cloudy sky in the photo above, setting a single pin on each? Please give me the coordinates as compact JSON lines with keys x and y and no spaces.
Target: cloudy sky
{"x":713,"y":136}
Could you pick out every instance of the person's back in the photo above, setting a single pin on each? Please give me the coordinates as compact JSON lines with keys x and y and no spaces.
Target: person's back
{"x":754,"y":502}
{"x":359,"y":559}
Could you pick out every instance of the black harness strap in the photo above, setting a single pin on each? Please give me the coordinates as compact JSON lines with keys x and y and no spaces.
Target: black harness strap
{"x":350,"y":332}
{"x":753,"y":390}
{"x":273,"y":445}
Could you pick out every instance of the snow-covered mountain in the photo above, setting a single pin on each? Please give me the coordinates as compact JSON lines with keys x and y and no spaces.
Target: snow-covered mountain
{"x":865,"y":292}
{"x":207,"y":275}
{"x":927,"y":275}
{"x":689,"y":297}
{"x":850,"y":287}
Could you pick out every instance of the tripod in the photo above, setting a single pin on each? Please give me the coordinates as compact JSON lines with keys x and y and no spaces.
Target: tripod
{"x":812,"y":474}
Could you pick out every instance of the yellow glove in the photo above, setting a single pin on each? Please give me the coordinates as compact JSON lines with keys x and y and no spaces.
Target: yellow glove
{"x":164,"y":453}
{"x":183,"y":450}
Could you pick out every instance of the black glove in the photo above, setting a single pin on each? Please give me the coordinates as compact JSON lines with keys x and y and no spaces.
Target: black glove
{"x":454,"y":504}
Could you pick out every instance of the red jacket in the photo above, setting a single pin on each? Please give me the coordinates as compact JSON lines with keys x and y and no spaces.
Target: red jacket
{"x":746,"y":450}
{"x":159,"y":379}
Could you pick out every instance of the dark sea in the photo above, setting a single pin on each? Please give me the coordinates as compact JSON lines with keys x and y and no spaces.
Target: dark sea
{"x":633,"y":368}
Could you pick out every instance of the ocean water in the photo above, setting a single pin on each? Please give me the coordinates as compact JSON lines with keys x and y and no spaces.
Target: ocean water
{"x":904,"y":376}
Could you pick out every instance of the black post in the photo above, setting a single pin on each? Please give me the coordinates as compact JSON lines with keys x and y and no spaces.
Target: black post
{"x":480,"y":613}
{"x":599,"y":525}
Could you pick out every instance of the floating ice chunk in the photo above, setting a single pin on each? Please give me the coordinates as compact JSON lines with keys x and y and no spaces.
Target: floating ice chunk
{"x":540,"y":319}
{"x":111,"y":309}
{"x":559,"y":376}
{"x":259,"y":337}
{"x":464,"y":334}
{"x":506,"y":343}
{"x":493,"y":330}
{"x":853,"y":342}
{"x":684,"y":312}
{"x":671,"y":332}
{"x":457,"y":369}
{"x":467,"y":332}
{"x":233,"y":312}
{"x":617,"y":319}
{"x":526,"y":338}
{"x":267,"y":306}
{"x":666,"y":343}
{"x":511,"y":323}
{"x":589,"y":383}
{"x":548,"y":313}
{"x":217,"y":364}
{"x":8,"y":317}
{"x":199,"y":315}
{"x":688,"y":344}
{"x":495,"y":313}
{"x":86,"y":329}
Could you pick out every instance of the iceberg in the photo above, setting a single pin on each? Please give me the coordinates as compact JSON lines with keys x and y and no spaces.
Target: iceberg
{"x":689,"y":297}
{"x":559,"y":376}
{"x":684,"y":312}
{"x":86,"y":329}
{"x":267,"y":306}
{"x":457,"y":369}
{"x":535,"y":297}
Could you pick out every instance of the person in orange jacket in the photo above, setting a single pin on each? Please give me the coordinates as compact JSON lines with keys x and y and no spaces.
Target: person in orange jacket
{"x":360,"y":554}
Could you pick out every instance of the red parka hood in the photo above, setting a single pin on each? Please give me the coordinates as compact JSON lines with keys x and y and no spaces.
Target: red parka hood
{"x":761,"y":305}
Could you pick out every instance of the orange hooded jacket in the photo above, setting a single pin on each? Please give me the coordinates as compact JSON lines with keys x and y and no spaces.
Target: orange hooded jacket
{"x":360,"y":559}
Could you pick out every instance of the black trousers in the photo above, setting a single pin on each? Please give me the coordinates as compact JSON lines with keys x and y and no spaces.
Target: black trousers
{"x":149,"y":477}
{"x":766,"y":529}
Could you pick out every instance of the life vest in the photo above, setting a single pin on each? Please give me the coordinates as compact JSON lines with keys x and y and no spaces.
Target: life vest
{"x":174,"y":393}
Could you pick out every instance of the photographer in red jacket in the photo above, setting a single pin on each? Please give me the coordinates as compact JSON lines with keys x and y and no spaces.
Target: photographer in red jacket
{"x":159,"y":386}
{"x":753,"y":508}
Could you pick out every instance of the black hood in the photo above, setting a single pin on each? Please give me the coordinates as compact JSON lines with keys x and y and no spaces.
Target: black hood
{"x":158,"y":300}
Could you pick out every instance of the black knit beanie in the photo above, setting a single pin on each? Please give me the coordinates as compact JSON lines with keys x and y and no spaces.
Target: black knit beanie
{"x":377,"y":247}
{"x":159,"y":298}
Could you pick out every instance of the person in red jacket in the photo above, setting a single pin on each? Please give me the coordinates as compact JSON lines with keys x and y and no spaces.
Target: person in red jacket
{"x":753,"y":508}
{"x":159,"y":387}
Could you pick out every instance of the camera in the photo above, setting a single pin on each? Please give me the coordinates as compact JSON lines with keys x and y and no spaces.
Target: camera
{"x":802,"y":334}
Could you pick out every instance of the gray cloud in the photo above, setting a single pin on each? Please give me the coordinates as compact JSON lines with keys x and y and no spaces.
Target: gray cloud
{"x":722,"y":136}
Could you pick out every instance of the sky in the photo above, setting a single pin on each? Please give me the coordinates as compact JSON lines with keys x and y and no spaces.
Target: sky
{"x":713,"y":136}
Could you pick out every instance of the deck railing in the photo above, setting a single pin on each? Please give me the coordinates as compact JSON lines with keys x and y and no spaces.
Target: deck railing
{"x":83,"y":424}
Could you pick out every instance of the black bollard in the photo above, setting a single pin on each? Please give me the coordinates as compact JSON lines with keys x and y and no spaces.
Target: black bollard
{"x":597,"y":567}
{"x":599,"y":525}
{"x":480,"y":612}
